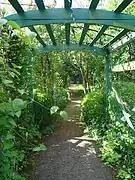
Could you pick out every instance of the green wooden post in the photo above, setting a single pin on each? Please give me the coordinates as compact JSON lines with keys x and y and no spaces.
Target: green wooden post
{"x":108,"y":73}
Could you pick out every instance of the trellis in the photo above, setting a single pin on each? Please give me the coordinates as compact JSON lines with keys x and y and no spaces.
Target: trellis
{"x":68,"y":15}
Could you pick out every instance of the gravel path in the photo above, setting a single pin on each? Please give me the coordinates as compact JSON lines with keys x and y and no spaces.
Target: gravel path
{"x":71,"y":155}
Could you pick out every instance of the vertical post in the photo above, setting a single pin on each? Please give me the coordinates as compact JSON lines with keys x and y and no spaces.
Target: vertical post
{"x":108,"y":73}
{"x":31,"y":87}
{"x":108,"y":83}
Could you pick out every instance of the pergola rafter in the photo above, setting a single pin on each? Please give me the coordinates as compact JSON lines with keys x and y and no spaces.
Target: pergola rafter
{"x":68,"y":15}
{"x":67,"y":6}
{"x":119,"y":9}
{"x":93,"y":6}
{"x":41,"y":7}
{"x":16,"y":5}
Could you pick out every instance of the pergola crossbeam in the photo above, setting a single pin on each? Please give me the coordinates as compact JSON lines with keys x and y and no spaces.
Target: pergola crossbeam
{"x":119,"y":9}
{"x":93,"y":6}
{"x":72,"y":47}
{"x":41,"y":7}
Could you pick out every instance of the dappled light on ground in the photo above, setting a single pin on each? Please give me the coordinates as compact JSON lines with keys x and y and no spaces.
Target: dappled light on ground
{"x":71,"y":154}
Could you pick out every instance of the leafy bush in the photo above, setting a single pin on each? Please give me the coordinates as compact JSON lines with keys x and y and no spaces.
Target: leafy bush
{"x":41,"y":109}
{"x":118,"y":140}
{"x":93,"y":110}
{"x":127,"y":92}
{"x":60,"y":98}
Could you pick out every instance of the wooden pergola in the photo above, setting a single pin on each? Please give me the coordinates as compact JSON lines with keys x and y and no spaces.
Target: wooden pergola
{"x":67,"y":16}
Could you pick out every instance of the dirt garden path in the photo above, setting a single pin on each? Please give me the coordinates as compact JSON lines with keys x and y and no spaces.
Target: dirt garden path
{"x":71,"y":155}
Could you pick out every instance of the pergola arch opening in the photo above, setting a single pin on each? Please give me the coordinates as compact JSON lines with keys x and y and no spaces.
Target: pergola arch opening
{"x":67,"y":16}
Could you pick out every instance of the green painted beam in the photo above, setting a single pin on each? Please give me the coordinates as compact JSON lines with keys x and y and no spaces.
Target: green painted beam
{"x":67,"y":31}
{"x":72,"y":47}
{"x":67,"y":4}
{"x":41,"y":7}
{"x":40,"y":4}
{"x":37,"y":35}
{"x":123,"y":5}
{"x":61,"y":16}
{"x":118,"y":37}
{"x":84,"y":32}
{"x":16,"y":5}
{"x":119,"y":9}
{"x":100,"y":33}
{"x":93,"y":6}
{"x":50,"y":32}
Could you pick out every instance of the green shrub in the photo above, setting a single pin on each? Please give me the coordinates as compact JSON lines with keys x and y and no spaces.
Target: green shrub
{"x":118,"y":140}
{"x":127,"y":92}
{"x":41,"y":109}
{"x":60,"y":98}
{"x":93,"y":110}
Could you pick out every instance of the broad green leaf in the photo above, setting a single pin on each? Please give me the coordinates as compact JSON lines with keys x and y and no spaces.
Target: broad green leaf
{"x":18,"y":104}
{"x":21,"y":91}
{"x":10,"y":136}
{"x":14,"y":25}
{"x":133,"y":109}
{"x":41,"y":147}
{"x":64,"y":115}
{"x":12,"y":122}
{"x":14,"y":70}
{"x":18,"y":114}
{"x":54,"y":109}
{"x":8,"y":144}
{"x":3,"y":21}
{"x":7,"y":81}
{"x":3,"y":120}
{"x":1,"y":60}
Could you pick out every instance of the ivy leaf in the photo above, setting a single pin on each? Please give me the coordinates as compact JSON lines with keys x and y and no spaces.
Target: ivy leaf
{"x":3,"y":21}
{"x":14,"y":25}
{"x":41,"y":147}
{"x":64,"y":115}
{"x":133,"y":109}
{"x":54,"y":109}
{"x":8,"y":144}
{"x":18,"y":104}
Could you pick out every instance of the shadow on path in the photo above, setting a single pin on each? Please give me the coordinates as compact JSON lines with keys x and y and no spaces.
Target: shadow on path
{"x":71,"y":155}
